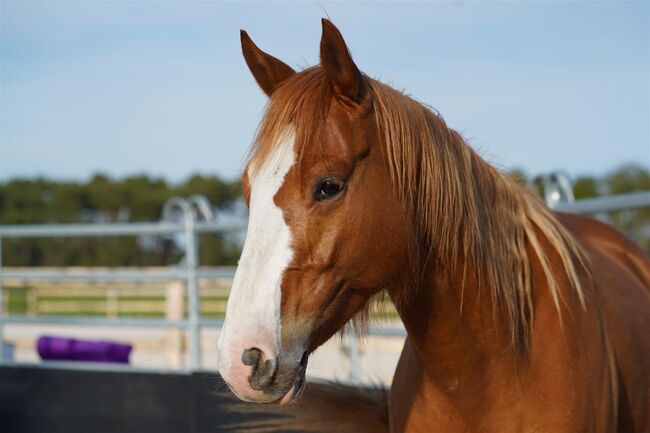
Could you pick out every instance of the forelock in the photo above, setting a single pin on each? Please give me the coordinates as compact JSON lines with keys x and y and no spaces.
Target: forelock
{"x":300,"y":103}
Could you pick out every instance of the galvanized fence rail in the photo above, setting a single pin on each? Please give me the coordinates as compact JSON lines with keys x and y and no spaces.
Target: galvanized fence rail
{"x":189,"y":226}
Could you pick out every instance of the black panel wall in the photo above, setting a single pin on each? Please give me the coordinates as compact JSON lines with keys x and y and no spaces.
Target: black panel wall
{"x":35,"y":399}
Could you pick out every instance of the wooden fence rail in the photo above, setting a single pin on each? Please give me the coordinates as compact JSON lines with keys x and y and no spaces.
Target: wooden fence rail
{"x":159,"y":299}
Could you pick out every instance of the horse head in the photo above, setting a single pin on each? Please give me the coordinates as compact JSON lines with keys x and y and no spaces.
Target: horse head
{"x":321,"y":237}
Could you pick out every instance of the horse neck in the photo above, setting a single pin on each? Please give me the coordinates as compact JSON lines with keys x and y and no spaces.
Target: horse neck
{"x":483,"y":240}
{"x":451,"y":318}
{"x":452,"y":329}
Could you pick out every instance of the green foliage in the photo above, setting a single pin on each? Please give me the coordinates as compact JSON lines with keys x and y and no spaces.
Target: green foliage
{"x":585,"y":187}
{"x":141,"y":198}
{"x":102,"y":199}
{"x":628,"y":178}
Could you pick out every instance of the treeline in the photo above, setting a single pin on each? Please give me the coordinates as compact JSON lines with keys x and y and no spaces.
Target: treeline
{"x":102,"y":199}
{"x":141,"y":198}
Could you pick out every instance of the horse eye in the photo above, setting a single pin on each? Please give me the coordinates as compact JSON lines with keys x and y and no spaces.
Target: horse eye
{"x":328,"y":188}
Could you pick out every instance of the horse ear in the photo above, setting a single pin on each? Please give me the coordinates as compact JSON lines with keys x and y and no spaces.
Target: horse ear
{"x":266,"y":69}
{"x":336,"y":61}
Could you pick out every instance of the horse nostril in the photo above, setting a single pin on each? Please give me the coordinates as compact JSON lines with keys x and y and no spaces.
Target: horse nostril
{"x":263,"y":369}
{"x":251,"y":356}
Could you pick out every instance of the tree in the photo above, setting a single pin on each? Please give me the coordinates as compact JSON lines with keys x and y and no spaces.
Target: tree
{"x":586,"y":187}
{"x":102,"y":199}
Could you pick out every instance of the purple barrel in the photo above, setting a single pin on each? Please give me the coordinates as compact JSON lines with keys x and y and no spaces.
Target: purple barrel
{"x":72,"y":349}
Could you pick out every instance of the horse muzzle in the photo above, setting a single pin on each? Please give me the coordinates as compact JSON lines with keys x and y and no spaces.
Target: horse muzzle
{"x":260,"y":376}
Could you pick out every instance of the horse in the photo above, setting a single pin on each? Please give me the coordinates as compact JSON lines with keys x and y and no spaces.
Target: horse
{"x":518,"y":319}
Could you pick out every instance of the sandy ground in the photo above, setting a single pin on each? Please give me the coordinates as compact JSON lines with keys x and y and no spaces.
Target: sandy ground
{"x":378,"y":358}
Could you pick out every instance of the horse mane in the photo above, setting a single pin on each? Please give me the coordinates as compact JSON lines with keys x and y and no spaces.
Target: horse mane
{"x":465,"y":210}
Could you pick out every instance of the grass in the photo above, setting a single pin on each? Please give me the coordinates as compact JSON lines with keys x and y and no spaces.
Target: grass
{"x":19,"y":305}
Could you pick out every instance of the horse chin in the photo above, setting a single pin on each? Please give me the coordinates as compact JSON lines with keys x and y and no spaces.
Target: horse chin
{"x":294,"y":392}
{"x":297,"y":384}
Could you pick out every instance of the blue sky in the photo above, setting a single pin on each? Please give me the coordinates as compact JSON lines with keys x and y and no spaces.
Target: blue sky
{"x":161,"y":87}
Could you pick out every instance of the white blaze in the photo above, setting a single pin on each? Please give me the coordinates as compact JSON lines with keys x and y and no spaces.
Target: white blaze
{"x":253,"y":311}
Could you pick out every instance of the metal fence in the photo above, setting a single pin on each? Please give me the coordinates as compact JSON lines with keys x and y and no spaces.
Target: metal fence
{"x":189,"y":226}
{"x":190,"y":218}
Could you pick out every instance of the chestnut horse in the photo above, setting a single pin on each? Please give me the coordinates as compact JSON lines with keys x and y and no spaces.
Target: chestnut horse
{"x":518,"y":319}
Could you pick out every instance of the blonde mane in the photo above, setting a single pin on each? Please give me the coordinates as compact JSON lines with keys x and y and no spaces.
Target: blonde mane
{"x":464,"y":209}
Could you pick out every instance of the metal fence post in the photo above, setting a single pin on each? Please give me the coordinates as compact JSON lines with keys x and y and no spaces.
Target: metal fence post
{"x":557,"y":189}
{"x":191,"y":264}
{"x":355,"y":358}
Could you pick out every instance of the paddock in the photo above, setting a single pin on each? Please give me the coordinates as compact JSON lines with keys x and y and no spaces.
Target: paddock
{"x":177,"y":392}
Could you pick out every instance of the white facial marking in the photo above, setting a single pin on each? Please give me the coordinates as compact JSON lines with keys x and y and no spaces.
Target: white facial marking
{"x":253,"y":311}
